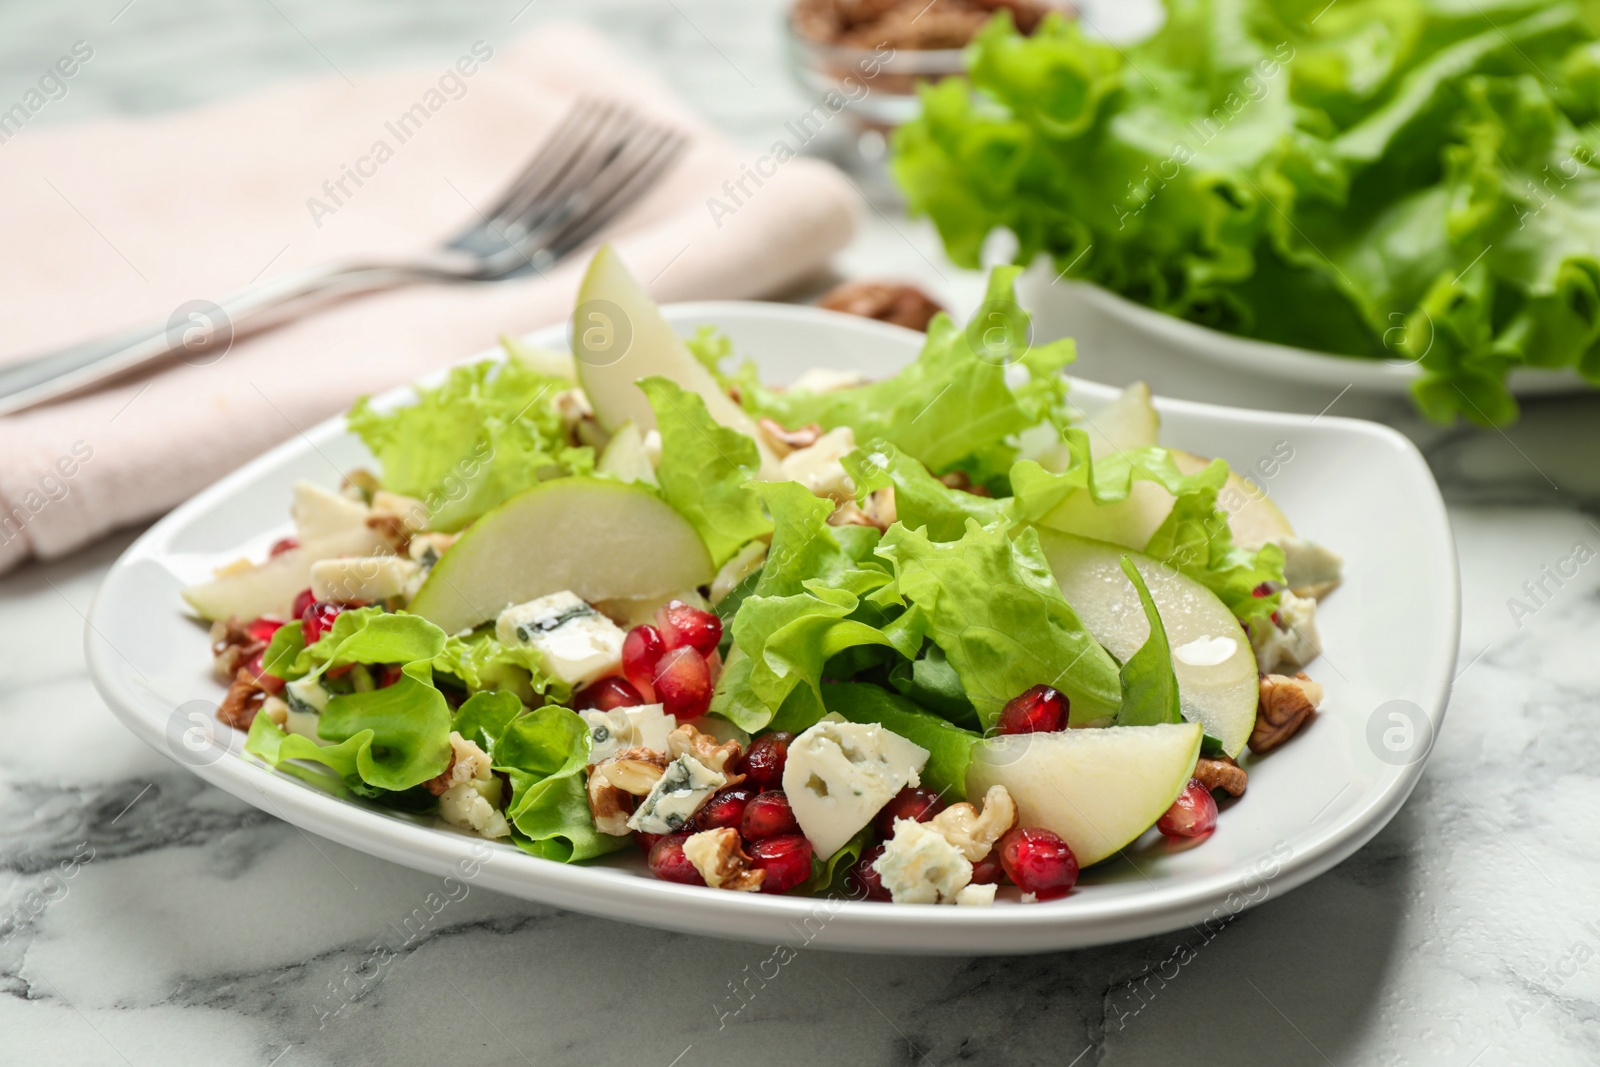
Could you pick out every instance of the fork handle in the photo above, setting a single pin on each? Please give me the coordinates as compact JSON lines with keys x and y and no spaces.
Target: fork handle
{"x":198,"y":332}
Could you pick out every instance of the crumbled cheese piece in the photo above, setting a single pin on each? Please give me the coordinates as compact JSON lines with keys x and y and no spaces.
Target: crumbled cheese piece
{"x":619,"y":729}
{"x":677,"y":795}
{"x":817,"y":466}
{"x":475,"y":806}
{"x":1292,"y":639}
{"x":575,"y":642}
{"x":920,"y":866}
{"x":838,"y":775}
{"x":361,"y":578}
{"x":976,"y":896}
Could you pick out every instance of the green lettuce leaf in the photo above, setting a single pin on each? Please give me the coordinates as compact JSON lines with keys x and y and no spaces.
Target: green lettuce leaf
{"x":484,"y":716}
{"x":544,"y":753}
{"x":1384,"y":179}
{"x":921,"y":501}
{"x":1149,"y":686}
{"x":706,"y":470}
{"x":954,"y":400}
{"x":370,"y":635}
{"x":989,"y":601}
{"x":480,"y":662}
{"x":489,"y":431}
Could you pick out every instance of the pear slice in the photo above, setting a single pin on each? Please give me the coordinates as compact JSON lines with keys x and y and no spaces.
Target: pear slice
{"x":626,"y":457}
{"x":1129,"y":421}
{"x":1097,"y":789}
{"x":1252,"y":516}
{"x":1211,"y":655}
{"x":601,"y":539}
{"x":270,"y":587}
{"x":619,"y":336}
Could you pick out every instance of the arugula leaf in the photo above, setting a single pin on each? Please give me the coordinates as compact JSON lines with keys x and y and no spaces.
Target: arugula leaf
{"x":989,"y":601}
{"x":707,"y":470}
{"x":486,"y":433}
{"x":1149,"y":686}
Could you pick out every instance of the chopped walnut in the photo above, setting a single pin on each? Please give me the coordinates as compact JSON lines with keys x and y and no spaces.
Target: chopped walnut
{"x":1286,"y":704}
{"x":892,"y":302}
{"x":784,"y":441}
{"x":879,"y":511}
{"x":468,"y":762}
{"x":244,"y":698}
{"x":962,"y":482}
{"x":613,"y":783}
{"x":911,"y":24}
{"x":703,"y":747}
{"x":1221,"y":772}
{"x":717,"y":855}
{"x":974,"y":833}
{"x":231,"y":647}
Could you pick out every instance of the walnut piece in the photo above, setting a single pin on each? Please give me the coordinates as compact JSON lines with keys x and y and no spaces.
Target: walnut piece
{"x":1221,"y":772}
{"x":686,"y":740}
{"x":974,"y":833}
{"x":238,"y":708}
{"x":892,"y":302}
{"x":613,"y":783}
{"x":784,"y":441}
{"x":717,"y":855}
{"x":1286,"y":704}
{"x":468,"y":762}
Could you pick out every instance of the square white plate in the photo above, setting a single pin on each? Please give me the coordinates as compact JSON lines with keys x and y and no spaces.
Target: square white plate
{"x":1389,"y":634}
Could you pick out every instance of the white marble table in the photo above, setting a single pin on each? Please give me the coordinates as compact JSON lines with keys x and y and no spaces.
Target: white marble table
{"x":148,"y":919}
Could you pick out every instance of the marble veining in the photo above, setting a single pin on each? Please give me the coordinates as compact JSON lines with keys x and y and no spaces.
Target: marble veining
{"x":146,"y":918}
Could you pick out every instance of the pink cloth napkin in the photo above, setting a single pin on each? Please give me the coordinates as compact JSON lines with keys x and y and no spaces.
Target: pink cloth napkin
{"x":115,"y":224}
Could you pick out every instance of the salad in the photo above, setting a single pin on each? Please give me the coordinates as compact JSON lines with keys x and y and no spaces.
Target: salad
{"x":1384,"y":179}
{"x":915,"y":639}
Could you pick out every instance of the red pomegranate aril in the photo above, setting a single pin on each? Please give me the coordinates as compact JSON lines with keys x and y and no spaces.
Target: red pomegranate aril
{"x":263,"y":628}
{"x":318,"y":620}
{"x":302,"y":601}
{"x":282,"y":545}
{"x":267,"y":682}
{"x":864,"y":879}
{"x":768,"y":815}
{"x":645,"y":841}
{"x":1038,"y":861}
{"x":682,"y":684}
{"x":912,"y":802}
{"x":764,"y":759}
{"x":724,"y":809}
{"x":668,"y":862}
{"x":608,"y":693}
{"x":387,"y":674}
{"x":641,"y":653}
{"x":786,"y":859}
{"x":1039,"y":710}
{"x":1193,"y":814}
{"x":683,"y":624}
{"x":988,"y":871}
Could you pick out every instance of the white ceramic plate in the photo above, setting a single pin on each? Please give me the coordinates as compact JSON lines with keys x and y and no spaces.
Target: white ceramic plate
{"x":1121,"y":341}
{"x":1390,"y":636}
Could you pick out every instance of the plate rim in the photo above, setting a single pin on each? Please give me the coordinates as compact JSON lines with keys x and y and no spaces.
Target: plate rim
{"x":852,"y":926}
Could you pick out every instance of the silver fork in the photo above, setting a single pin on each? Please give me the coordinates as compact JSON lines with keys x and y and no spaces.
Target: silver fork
{"x":598,"y":162}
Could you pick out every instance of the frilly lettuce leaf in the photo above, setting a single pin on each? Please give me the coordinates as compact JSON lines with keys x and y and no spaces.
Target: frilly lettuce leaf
{"x":1387,"y":179}
{"x":358,"y":635}
{"x":706,"y":470}
{"x":489,"y":431}
{"x":989,"y":601}
{"x":480,"y":662}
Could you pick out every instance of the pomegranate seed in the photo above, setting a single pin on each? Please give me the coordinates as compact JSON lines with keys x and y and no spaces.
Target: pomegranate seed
{"x":302,"y":601}
{"x":1264,"y":589}
{"x":683,"y":624}
{"x":786,"y":859}
{"x":724,"y":809}
{"x":682,"y":684}
{"x":864,"y":878}
{"x":668,"y":862}
{"x":264,"y":681}
{"x":912,"y":802}
{"x":1039,"y":862}
{"x":1193,"y":814}
{"x":641,"y":652}
{"x":318,"y":620}
{"x":608,"y":693}
{"x":988,"y":871}
{"x":764,"y":759}
{"x":1039,"y":710}
{"x":388,"y":674}
{"x":645,"y":841}
{"x":263,"y":628}
{"x":768,"y":815}
{"x":282,"y":545}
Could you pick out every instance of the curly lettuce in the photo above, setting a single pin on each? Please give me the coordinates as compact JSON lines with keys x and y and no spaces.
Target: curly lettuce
{"x":1383,"y":179}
